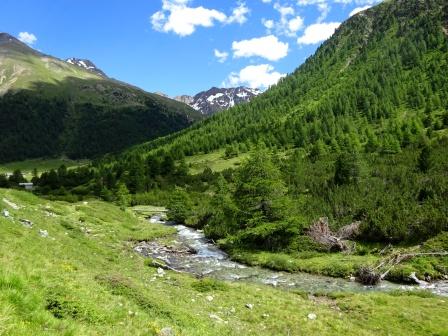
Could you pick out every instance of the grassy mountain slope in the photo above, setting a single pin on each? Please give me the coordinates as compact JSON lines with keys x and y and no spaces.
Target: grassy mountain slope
{"x":377,"y":84}
{"x":85,"y":279}
{"x":50,"y":107}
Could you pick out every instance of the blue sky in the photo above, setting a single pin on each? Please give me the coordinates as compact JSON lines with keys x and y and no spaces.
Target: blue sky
{"x":181,"y":46}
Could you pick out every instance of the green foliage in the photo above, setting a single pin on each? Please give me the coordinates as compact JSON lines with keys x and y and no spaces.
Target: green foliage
{"x":179,"y":206}
{"x":424,"y":160}
{"x":346,"y":169}
{"x":123,"y":196}
{"x":209,"y":284}
{"x":259,"y":190}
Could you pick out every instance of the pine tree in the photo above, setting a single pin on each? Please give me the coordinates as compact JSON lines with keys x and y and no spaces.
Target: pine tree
{"x":346,"y":169}
{"x":123,"y":196}
{"x":424,"y":161}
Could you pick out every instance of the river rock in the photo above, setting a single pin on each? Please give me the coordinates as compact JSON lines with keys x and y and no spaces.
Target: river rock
{"x":43,"y":233}
{"x":312,"y":316}
{"x":215,"y":317}
{"x":11,"y":204}
{"x":27,"y":223}
{"x":160,"y":272}
{"x":414,"y":278}
{"x":167,"y":331}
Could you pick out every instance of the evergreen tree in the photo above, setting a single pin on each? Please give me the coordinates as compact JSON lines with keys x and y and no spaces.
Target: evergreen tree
{"x":259,"y":189}
{"x":424,"y":161}
{"x":123,"y":196}
{"x":346,"y":169}
{"x":179,"y":206}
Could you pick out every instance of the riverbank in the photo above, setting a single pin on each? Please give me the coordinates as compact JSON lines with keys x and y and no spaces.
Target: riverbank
{"x":74,"y":271}
{"x":344,"y":265}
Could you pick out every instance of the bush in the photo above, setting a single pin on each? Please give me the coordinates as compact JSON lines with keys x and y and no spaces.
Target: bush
{"x":209,"y":284}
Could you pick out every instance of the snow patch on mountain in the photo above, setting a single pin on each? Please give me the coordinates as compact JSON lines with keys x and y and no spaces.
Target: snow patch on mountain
{"x":85,"y":64}
{"x":219,"y":99}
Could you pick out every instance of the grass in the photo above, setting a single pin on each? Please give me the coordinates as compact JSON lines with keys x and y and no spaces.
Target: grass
{"x":85,"y":279}
{"x":148,"y":210}
{"x":330,"y":264}
{"x":41,"y":165}
{"x":215,"y":161}
{"x":342,"y":265}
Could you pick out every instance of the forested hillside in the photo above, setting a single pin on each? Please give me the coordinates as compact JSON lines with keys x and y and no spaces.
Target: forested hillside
{"x":49,"y":107}
{"x":378,"y":84}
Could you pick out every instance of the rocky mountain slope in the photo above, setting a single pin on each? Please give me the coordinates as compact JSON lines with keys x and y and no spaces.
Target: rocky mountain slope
{"x":51,"y":107}
{"x":86,"y":64}
{"x":217,"y":99}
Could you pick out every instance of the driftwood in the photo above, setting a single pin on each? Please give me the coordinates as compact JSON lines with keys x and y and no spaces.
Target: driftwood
{"x":156,"y":263}
{"x":321,"y":233}
{"x":395,"y":259}
{"x":368,"y":276}
{"x":373,"y":275}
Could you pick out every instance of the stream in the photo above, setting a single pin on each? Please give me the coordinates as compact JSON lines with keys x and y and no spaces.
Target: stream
{"x":193,"y":253}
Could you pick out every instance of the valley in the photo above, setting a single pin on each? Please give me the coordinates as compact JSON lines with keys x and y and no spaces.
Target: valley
{"x":312,"y":202}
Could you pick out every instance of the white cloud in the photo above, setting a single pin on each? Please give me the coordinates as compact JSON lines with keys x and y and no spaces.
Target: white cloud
{"x":284,"y":10}
{"x":345,"y":2}
{"x":288,"y":25}
{"x":221,"y":55}
{"x":254,"y":76}
{"x":295,"y":24}
{"x":177,"y":17}
{"x":269,"y":24}
{"x":28,"y":38}
{"x":239,"y":14}
{"x":318,"y":32}
{"x":268,"y":47}
{"x":324,"y":9}
{"x":359,"y":10}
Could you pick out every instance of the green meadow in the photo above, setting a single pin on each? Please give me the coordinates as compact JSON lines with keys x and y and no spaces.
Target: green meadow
{"x":85,"y":279}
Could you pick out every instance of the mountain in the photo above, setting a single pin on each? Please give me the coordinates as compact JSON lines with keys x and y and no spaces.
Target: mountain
{"x":51,"y":107}
{"x":378,"y":84}
{"x":218,"y":99}
{"x":86,"y":64}
{"x":189,"y":100}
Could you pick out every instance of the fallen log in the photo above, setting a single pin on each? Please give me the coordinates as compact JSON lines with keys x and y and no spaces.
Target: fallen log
{"x":321,"y":233}
{"x":373,"y":275}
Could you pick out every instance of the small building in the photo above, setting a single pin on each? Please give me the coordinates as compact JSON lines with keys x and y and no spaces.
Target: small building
{"x":26,"y":185}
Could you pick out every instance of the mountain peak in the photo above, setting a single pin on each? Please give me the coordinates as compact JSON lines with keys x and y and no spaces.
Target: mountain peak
{"x":9,"y":43}
{"x":85,"y":64}
{"x":218,"y":99}
{"x":5,"y":37}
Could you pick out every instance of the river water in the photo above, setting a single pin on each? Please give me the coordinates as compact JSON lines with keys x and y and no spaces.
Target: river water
{"x":191,"y":252}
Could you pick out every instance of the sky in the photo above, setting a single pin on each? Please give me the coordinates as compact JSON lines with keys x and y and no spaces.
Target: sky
{"x":181,"y":46}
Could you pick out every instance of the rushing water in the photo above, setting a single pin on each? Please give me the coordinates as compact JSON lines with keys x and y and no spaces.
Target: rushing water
{"x":191,"y":252}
